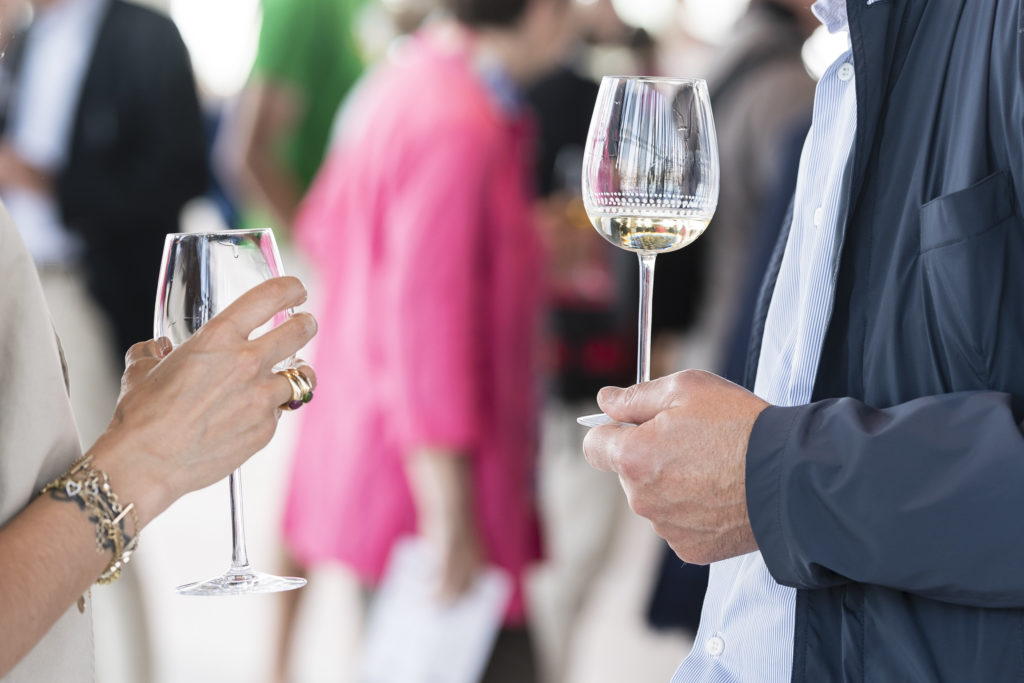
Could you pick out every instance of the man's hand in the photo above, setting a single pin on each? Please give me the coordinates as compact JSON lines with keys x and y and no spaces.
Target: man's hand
{"x":684,"y":465}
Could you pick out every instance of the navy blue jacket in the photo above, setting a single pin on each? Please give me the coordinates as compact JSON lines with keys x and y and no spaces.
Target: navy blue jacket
{"x":894,"y":502}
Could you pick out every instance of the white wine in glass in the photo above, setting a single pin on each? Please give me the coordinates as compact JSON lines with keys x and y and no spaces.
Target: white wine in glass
{"x":650,"y":234}
{"x":650,"y":178}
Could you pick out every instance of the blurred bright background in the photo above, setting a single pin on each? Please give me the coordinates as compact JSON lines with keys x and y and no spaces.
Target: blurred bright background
{"x":222,"y":35}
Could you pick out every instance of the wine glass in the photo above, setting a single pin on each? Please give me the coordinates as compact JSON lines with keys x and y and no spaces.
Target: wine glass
{"x":201,"y":274}
{"x":650,"y":178}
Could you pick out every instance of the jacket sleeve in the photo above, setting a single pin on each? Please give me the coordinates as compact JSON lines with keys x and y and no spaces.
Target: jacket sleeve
{"x":926,"y":497}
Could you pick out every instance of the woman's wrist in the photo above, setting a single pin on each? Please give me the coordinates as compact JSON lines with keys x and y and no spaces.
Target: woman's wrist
{"x":133,"y":476}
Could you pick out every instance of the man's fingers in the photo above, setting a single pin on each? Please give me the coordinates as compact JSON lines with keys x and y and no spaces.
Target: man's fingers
{"x":603,"y":446}
{"x":638,"y":403}
{"x":287,"y":339}
{"x":263,"y":302}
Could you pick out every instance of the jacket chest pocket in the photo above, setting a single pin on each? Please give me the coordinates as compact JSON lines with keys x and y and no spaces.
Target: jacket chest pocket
{"x":971,"y":255}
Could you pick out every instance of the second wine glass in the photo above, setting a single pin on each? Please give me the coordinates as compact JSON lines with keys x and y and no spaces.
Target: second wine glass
{"x":201,"y":274}
{"x":650,"y":178}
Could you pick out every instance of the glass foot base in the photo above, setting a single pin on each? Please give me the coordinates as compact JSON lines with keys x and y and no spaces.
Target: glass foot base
{"x":242,"y":583}
{"x":598,"y":420}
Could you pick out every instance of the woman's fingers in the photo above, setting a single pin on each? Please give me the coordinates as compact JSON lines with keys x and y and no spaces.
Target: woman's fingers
{"x":260,"y":304}
{"x":307,"y":370}
{"x":141,"y":358}
{"x":152,"y":349}
{"x":287,"y":339}
{"x":283,"y":392}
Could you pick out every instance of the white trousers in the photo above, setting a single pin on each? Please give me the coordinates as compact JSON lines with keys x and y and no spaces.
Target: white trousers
{"x":579,"y":509}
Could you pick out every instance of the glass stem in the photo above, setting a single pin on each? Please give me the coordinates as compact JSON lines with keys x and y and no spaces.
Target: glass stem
{"x":643,"y":356}
{"x":239,"y":556}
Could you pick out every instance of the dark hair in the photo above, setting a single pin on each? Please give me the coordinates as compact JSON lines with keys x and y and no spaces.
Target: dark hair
{"x":491,"y":13}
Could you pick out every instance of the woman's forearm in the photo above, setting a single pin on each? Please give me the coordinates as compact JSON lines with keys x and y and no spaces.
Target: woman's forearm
{"x":441,"y":482}
{"x":49,"y":557}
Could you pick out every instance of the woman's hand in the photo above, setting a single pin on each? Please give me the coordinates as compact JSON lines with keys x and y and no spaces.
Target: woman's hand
{"x":185,"y":419}
{"x":189,"y":416}
{"x":140,"y":359}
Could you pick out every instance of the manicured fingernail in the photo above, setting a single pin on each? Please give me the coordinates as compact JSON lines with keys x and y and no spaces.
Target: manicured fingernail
{"x":608,"y":394}
{"x":165,"y":346}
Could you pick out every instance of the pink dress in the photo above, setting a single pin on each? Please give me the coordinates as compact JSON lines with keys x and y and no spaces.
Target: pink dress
{"x":420,"y":226}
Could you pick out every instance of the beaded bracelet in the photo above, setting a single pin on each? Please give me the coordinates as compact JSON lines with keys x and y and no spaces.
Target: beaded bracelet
{"x":90,"y":489}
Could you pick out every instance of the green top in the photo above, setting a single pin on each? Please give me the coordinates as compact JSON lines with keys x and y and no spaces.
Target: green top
{"x":310,"y":46}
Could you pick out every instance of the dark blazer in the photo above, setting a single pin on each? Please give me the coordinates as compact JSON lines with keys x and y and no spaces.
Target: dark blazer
{"x":137,"y":155}
{"x":895,"y":501}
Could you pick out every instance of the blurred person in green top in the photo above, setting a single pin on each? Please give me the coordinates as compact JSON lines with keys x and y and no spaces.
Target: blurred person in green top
{"x":307,"y":60}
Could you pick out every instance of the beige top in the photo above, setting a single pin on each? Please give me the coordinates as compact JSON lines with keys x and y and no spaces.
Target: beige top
{"x":38,"y":441}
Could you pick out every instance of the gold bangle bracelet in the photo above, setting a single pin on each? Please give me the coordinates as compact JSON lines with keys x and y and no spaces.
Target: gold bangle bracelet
{"x":89,"y":488}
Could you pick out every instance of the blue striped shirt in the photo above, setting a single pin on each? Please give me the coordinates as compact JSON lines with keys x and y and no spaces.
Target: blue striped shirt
{"x":746,"y":627}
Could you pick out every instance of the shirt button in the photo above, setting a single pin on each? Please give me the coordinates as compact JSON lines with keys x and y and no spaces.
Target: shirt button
{"x":715,"y":646}
{"x":819,"y":217}
{"x":846,"y":72}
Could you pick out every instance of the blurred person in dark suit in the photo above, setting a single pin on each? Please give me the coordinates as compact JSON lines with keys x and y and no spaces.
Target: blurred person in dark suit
{"x":102,"y":144}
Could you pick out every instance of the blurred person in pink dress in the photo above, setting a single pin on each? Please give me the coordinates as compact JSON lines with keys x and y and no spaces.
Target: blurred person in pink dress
{"x":420,"y":225}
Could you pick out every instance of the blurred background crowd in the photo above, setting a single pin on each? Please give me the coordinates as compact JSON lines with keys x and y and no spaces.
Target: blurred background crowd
{"x":121,"y":122}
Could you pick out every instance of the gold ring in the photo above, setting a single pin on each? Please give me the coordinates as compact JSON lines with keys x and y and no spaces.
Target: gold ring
{"x":307,"y":385}
{"x":302,"y":389}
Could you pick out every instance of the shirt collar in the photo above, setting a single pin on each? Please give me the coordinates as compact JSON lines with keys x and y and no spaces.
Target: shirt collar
{"x":500,"y":86}
{"x":453,"y":39}
{"x":832,"y":13}
{"x":67,"y":10}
